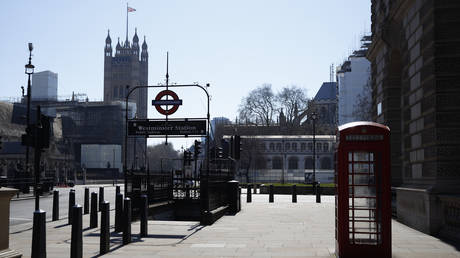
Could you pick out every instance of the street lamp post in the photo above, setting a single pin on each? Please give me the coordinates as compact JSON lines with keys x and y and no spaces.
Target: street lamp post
{"x":29,"y":70}
{"x":313,"y":117}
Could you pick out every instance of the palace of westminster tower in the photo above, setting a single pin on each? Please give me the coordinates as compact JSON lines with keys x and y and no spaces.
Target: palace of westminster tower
{"x":128,"y":67}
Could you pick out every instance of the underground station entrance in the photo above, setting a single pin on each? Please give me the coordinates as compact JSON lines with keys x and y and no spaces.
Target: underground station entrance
{"x":206,"y":190}
{"x":202,"y":190}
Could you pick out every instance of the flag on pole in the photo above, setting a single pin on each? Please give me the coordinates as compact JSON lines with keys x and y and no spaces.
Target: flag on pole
{"x":131,"y":9}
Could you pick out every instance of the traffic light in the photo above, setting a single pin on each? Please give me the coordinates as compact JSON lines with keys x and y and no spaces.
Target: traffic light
{"x":232,"y":147}
{"x":187,"y":158}
{"x":27,"y":139}
{"x":42,"y":132}
{"x":237,"y":147}
{"x":220,"y":153}
{"x":225,"y":148}
{"x":197,"y":148}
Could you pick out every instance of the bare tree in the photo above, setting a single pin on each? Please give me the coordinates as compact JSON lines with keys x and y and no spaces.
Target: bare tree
{"x":259,"y":106}
{"x":293,"y":100}
{"x":251,"y":156}
{"x":362,"y":109}
{"x":161,"y":157}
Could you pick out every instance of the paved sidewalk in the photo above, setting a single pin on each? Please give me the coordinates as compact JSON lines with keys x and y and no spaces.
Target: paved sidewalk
{"x":261,"y":229}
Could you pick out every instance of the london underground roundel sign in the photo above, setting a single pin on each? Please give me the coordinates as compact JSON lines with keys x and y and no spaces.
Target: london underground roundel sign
{"x":175,"y":102}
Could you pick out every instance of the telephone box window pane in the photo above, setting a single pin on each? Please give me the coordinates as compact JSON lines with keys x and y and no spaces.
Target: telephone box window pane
{"x":362,"y":179}
{"x":360,"y":156}
{"x":364,"y":203}
{"x":364,"y":191}
{"x":361,"y":168}
{"x":350,"y":156}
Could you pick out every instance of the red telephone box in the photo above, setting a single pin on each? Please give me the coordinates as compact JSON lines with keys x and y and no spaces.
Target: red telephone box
{"x":363,"y":191}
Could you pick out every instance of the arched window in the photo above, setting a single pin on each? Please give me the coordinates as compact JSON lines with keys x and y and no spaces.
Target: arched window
{"x":302,"y":146}
{"x":325,"y":147}
{"x":287,"y":146}
{"x":310,"y":146}
{"x":319,"y":147}
{"x":278,"y":146}
{"x":294,"y":146}
{"x":308,"y":162}
{"x":277,"y":163}
{"x":272,"y":146}
{"x":120,"y":92}
{"x":325,"y":163}
{"x":293,"y":163}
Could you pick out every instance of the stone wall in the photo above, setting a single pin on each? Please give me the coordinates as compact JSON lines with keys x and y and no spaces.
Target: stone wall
{"x":415,"y":56}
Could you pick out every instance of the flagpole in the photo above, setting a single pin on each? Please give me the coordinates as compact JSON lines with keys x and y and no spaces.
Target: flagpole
{"x":126,"y":21}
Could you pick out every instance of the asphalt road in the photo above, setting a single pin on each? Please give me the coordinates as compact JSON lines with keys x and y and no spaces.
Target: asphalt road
{"x":21,"y":211}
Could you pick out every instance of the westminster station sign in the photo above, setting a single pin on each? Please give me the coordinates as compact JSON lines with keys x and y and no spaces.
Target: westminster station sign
{"x":170,"y":127}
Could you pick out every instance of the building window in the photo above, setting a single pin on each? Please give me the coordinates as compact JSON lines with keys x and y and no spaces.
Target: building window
{"x":272,"y":146}
{"x":326,"y":147}
{"x":294,"y":146}
{"x":293,"y":163}
{"x":318,"y":147}
{"x":302,"y":146}
{"x":379,"y":108}
{"x":277,"y":163}
{"x":115,"y":92}
{"x":325,"y":163}
{"x":309,"y":162}
{"x":310,"y":146}
{"x":278,"y":146}
{"x":287,"y":146}
{"x":120,"y":92}
{"x":261,"y":163}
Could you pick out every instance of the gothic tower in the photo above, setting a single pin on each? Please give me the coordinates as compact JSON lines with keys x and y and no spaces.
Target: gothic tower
{"x":126,"y":69}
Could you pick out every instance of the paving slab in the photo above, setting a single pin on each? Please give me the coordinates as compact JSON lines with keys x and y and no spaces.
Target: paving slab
{"x":261,"y":229}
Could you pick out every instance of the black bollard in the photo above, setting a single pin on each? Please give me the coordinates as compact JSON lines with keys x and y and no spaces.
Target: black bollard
{"x":144,"y":209}
{"x":105,"y":228}
{"x":76,"y":242}
{"x":117,"y":191}
{"x":318,"y":192}
{"x":127,"y":221}
{"x":71,"y":204}
{"x":119,"y":213}
{"x":86,"y":202}
{"x":294,"y":193}
{"x":101,"y":197}
{"x":39,"y":235}
{"x":249,"y":195}
{"x":187,"y":192}
{"x":93,"y":215}
{"x":55,"y":205}
{"x":270,"y":198}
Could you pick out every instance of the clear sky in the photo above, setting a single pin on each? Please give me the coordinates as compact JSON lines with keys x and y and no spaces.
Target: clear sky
{"x":234,"y":45}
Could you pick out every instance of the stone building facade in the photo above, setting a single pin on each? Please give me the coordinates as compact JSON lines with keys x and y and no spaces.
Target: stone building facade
{"x":415,"y":55}
{"x":289,"y":158}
